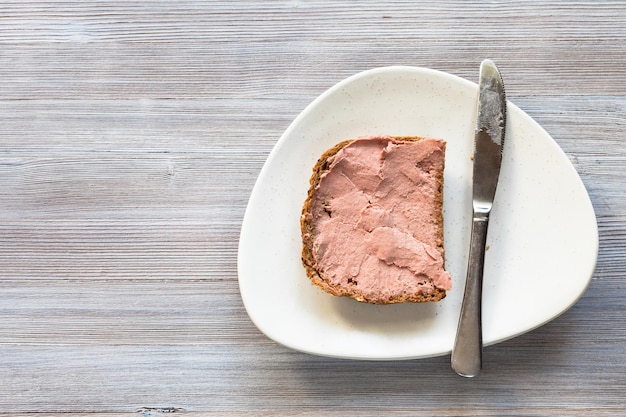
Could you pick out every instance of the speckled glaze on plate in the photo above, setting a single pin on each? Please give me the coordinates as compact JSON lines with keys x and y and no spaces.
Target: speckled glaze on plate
{"x":543,"y":237}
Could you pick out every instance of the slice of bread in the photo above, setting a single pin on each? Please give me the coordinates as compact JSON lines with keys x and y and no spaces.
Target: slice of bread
{"x":372,"y":222}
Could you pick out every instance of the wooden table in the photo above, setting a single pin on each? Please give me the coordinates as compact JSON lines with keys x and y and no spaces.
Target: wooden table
{"x":131,"y":135}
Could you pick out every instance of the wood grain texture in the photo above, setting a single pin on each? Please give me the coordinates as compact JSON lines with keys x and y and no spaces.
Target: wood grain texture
{"x":131,"y":135}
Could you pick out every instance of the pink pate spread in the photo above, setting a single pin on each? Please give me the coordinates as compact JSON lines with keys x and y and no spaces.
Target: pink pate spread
{"x":376,"y":218}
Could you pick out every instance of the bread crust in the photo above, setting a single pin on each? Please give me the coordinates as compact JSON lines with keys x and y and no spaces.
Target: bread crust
{"x":307,"y":227}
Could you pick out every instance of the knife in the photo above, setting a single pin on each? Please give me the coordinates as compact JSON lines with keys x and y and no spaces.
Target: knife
{"x":466,"y":357}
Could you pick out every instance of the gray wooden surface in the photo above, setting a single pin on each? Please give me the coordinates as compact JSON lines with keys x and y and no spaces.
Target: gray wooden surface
{"x":131,"y":135}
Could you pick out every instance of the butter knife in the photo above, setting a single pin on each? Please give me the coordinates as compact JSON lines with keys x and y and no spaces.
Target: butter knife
{"x":488,"y":142}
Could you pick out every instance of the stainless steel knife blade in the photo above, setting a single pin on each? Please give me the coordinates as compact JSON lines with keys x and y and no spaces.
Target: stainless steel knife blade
{"x":466,"y":357}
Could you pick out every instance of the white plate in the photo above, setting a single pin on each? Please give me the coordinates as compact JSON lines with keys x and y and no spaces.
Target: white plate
{"x":543,"y":234}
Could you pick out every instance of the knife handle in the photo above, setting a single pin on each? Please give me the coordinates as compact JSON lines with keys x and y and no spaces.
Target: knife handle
{"x":467,"y":351}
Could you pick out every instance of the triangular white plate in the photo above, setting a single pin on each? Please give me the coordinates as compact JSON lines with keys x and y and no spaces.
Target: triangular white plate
{"x":543,"y":237}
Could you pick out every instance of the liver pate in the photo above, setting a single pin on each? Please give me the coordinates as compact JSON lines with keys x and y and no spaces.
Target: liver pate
{"x":372,"y":224}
